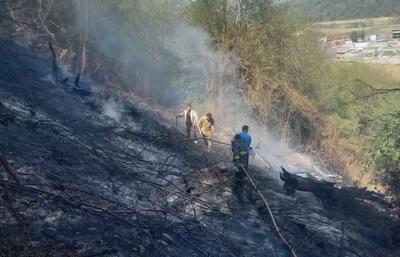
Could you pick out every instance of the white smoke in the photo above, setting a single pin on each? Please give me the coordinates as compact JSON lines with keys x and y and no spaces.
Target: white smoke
{"x":113,"y":109}
{"x":176,"y":63}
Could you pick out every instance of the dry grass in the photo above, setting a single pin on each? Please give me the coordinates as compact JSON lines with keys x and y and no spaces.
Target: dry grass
{"x":392,"y":71}
{"x":379,"y":75}
{"x":388,"y":74}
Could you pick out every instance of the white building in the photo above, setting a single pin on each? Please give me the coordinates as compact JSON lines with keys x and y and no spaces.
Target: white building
{"x":373,"y":37}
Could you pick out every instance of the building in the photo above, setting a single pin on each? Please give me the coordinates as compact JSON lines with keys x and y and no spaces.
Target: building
{"x":373,"y":37}
{"x":396,"y":34}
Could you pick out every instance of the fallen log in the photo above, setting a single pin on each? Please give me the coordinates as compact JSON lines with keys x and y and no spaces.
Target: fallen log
{"x":322,"y":189}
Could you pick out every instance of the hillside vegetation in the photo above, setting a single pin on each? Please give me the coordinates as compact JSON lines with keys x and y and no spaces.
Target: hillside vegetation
{"x":358,"y":102}
{"x":328,"y":109}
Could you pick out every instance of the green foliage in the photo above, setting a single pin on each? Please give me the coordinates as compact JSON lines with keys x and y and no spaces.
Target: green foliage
{"x":360,"y":124}
{"x":384,"y":152}
{"x":224,"y":18}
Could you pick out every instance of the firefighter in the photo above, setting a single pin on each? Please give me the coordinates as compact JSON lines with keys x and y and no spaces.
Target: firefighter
{"x":206,"y":129}
{"x":191,"y":118}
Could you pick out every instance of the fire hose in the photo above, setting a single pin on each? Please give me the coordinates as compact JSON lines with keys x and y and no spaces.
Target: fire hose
{"x":281,"y":236}
{"x":255,"y":187}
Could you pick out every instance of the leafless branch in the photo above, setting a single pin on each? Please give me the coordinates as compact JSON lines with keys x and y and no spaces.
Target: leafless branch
{"x":373,"y":91}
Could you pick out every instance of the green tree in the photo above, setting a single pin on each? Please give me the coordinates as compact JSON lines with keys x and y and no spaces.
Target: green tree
{"x":354,"y":36}
{"x":385,"y":153}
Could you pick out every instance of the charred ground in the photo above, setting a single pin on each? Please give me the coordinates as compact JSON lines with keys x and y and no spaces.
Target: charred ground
{"x":88,"y":185}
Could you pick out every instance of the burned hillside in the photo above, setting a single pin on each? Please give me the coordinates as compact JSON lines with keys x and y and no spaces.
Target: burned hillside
{"x":80,"y":179}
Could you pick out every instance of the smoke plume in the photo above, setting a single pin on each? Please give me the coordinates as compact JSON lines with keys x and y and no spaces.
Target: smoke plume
{"x":162,"y":57}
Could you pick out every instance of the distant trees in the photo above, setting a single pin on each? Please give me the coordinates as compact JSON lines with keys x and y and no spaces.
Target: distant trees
{"x":354,"y":36}
{"x":327,"y":10}
{"x":357,"y":36}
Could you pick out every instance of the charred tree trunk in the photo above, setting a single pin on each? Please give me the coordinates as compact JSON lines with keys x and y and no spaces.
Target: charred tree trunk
{"x":55,"y":68}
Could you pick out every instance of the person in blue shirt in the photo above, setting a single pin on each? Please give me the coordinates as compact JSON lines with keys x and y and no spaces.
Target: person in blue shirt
{"x":242,"y":141}
{"x":241,"y":145}
{"x":245,"y":137}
